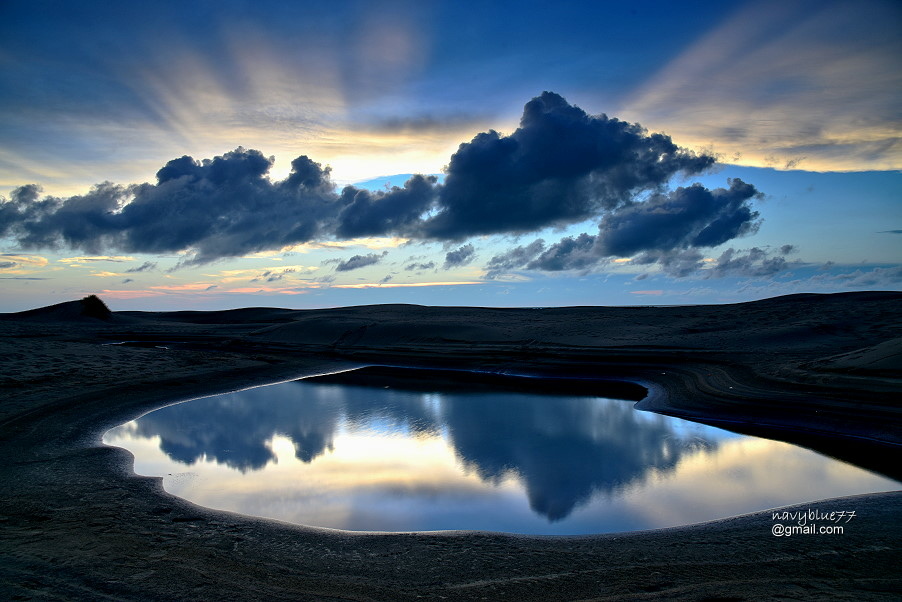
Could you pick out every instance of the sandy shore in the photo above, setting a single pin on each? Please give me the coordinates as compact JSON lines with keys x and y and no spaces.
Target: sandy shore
{"x":818,"y":370}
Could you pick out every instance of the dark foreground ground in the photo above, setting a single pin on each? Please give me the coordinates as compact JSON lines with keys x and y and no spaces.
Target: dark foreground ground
{"x":75,"y":523}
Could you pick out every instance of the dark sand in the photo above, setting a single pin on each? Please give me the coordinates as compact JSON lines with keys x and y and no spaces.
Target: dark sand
{"x":818,"y":370}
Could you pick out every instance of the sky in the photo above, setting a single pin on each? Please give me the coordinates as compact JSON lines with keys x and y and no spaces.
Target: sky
{"x":221,"y":154}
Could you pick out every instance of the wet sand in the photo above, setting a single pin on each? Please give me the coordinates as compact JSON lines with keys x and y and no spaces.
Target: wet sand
{"x":818,"y":370}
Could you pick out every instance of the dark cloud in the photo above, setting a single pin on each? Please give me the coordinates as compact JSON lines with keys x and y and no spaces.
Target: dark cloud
{"x":397,"y":210}
{"x":228,"y":206}
{"x":686,"y":217}
{"x":890,"y":232}
{"x":666,"y":229}
{"x":753,"y":263}
{"x":513,"y":259}
{"x":420,"y":266}
{"x":273,"y":275}
{"x":127,"y":280}
{"x":223,"y":207}
{"x":560,"y":166}
{"x":793,"y":163}
{"x":461,"y":256}
{"x":678,"y":263}
{"x":144,"y":267}
{"x":23,"y":205}
{"x":570,"y":253}
{"x":85,"y":222}
{"x":360,"y":261}
{"x":6,"y":265}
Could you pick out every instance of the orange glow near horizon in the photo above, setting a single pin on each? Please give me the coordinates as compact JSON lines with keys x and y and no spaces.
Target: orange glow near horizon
{"x":401,"y":284}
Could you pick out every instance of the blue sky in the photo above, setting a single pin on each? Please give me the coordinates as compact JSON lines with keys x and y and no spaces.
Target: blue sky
{"x":778,"y":171}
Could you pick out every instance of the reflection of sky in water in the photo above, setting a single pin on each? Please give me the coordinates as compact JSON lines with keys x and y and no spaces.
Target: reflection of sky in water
{"x":362,"y":458}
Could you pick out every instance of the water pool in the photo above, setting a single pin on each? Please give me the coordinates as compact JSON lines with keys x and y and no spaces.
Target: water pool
{"x":416,"y":457}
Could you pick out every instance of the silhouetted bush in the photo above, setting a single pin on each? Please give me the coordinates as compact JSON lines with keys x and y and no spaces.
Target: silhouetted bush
{"x":93,"y":307}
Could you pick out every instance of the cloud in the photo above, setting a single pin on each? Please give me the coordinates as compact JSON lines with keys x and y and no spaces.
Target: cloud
{"x":398,"y":210}
{"x":139,"y":294}
{"x":879,"y":277}
{"x":686,"y":217}
{"x":513,"y":259}
{"x":270,"y":274}
{"x":782,"y":81}
{"x":273,"y":275}
{"x":360,"y":261}
{"x":33,"y":260}
{"x":112,"y":258}
{"x":426,"y":123}
{"x":402,"y":284}
{"x":193,"y":286}
{"x":264,"y":289}
{"x":21,"y":264}
{"x":876,"y":278}
{"x":224,"y":207}
{"x":144,"y":267}
{"x":420,"y":266}
{"x":667,"y":228}
{"x":570,"y":253}
{"x":561,"y":166}
{"x":462,"y":256}
{"x":753,"y":263}
{"x":366,"y":242}
{"x":678,"y":263}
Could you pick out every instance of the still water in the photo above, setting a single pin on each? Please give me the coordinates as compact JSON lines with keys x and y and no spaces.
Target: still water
{"x":397,"y":458}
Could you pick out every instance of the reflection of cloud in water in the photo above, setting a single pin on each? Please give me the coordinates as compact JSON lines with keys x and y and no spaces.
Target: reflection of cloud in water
{"x":234,"y":429}
{"x":563,"y":449}
{"x":749,"y":474}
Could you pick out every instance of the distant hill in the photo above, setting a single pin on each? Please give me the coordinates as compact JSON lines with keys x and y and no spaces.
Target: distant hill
{"x":89,"y":308}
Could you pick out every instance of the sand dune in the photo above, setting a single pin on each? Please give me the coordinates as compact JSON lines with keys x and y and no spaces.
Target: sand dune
{"x":818,"y":370}
{"x":881,"y":359}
